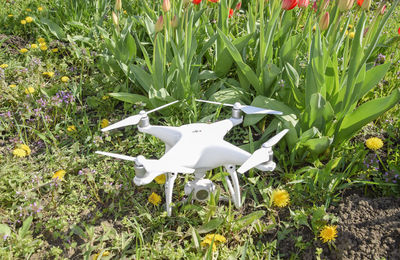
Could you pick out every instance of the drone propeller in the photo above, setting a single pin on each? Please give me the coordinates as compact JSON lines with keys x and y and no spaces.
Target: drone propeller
{"x":134,"y":120}
{"x":246,"y":109}
{"x":261,"y":155}
{"x":119,"y":156}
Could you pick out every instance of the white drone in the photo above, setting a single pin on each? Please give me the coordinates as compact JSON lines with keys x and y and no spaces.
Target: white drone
{"x":197,"y":148}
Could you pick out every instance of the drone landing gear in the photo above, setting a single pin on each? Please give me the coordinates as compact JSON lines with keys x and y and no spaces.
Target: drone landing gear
{"x":169,"y":186}
{"x":235,"y":189}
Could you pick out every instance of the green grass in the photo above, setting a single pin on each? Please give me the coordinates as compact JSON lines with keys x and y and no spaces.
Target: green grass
{"x":96,"y":208}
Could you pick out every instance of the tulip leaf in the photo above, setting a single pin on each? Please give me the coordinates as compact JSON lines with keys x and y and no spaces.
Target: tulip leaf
{"x":129,"y":97}
{"x":364,"y":114}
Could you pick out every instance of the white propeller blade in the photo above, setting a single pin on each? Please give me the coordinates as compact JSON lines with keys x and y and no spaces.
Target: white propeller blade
{"x":119,"y":156}
{"x":274,"y":140}
{"x":134,"y":120}
{"x":157,"y":166}
{"x":258,"y":157}
{"x":261,"y":155}
{"x":246,"y":109}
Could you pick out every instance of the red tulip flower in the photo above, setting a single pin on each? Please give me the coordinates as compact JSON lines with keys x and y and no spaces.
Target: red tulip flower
{"x":289,"y":4}
{"x":230,"y":13}
{"x":303,"y":3}
{"x":360,"y":2}
{"x":196,"y":2}
{"x":398,"y":31}
{"x":214,"y":1}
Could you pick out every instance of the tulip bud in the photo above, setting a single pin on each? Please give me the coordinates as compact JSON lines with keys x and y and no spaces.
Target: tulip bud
{"x":174,"y":22}
{"x":383,"y":9}
{"x":366,"y":5}
{"x":159,"y":24}
{"x":303,"y":3}
{"x":345,"y":5}
{"x":115,"y":19}
{"x":238,"y":6}
{"x":289,"y":4}
{"x":166,"y":6}
{"x":324,"y":22}
{"x":118,"y":5}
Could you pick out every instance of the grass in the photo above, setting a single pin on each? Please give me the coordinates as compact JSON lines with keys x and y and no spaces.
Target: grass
{"x":97,"y":211}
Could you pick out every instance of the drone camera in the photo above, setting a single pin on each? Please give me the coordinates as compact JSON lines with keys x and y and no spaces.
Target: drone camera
{"x":201,"y":189}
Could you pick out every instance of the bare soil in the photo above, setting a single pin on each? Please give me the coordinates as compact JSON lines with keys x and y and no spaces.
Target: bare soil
{"x":368,"y":228}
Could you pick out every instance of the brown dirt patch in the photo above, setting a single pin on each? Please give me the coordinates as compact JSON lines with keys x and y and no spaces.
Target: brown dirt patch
{"x":12,"y":44}
{"x":368,"y":228}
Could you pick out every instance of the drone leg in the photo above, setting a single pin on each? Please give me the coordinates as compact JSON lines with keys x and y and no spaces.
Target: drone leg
{"x":235,"y":190}
{"x":169,"y":186}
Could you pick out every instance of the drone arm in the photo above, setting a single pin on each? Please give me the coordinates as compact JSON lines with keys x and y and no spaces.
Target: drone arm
{"x":168,"y":134}
{"x":222,"y":127}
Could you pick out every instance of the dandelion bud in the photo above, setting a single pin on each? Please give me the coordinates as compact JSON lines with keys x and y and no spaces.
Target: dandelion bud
{"x":345,"y":5}
{"x":324,"y":22}
{"x":366,"y":5}
{"x":118,"y":5}
{"x":115,"y":19}
{"x":159,"y":24}
{"x":166,"y":6}
{"x":303,"y":3}
{"x":174,"y":22}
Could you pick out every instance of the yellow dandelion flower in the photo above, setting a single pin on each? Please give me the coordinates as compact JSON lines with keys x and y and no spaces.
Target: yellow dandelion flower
{"x":3,"y":66}
{"x":328,"y":233}
{"x":23,"y":50}
{"x":10,"y":15}
{"x":71,"y":128}
{"x":346,"y":32}
{"x":28,"y":10}
{"x":104,"y":123}
{"x":42,"y":40}
{"x":64,"y":79}
{"x":18,"y":152}
{"x":351,"y":35}
{"x":12,"y":86}
{"x":280,"y":198}
{"x":29,"y":90}
{"x":28,"y":19}
{"x":154,"y":199}
{"x":350,"y":26}
{"x":95,"y":256}
{"x":23,"y":22}
{"x":216,"y":237}
{"x":213,"y":239}
{"x":43,"y":47}
{"x":34,"y":46}
{"x":49,"y":74}
{"x":105,"y":97}
{"x":59,"y":175}
{"x":25,"y":148}
{"x":374,"y":143}
{"x":42,"y":44}
{"x":40,"y":8}
{"x":55,"y":50}
{"x":160,"y":179}
{"x":125,"y":12}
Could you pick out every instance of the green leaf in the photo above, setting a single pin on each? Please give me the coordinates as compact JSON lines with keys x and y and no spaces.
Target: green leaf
{"x":5,"y":230}
{"x":246,"y":69}
{"x":23,"y":231}
{"x":210,"y":226}
{"x":364,"y":114}
{"x":54,"y":28}
{"x":372,"y":77}
{"x":139,"y":75}
{"x":129,"y":97}
{"x":318,"y":145}
{"x":196,"y":237}
{"x":247,"y":220}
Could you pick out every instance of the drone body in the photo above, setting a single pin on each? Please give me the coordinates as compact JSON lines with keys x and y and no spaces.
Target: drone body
{"x":195,"y":149}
